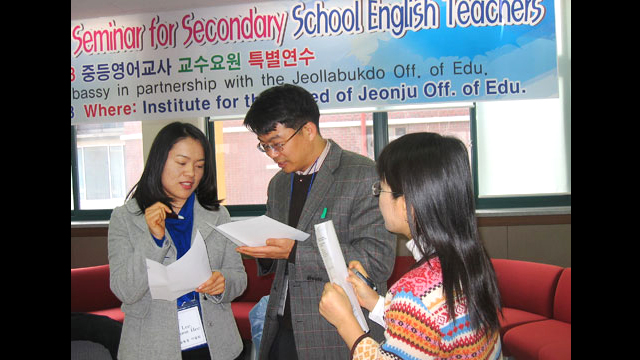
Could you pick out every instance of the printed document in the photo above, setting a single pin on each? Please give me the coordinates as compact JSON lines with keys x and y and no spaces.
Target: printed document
{"x":256,"y":231}
{"x":183,"y":276}
{"x":336,"y":266}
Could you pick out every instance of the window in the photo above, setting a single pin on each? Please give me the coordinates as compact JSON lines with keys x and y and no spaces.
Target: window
{"x":449,"y":121}
{"x":108,"y":163}
{"x":101,"y":171}
{"x":109,"y":157}
{"x":523,"y":154}
{"x":521,"y":148}
{"x":244,"y":172}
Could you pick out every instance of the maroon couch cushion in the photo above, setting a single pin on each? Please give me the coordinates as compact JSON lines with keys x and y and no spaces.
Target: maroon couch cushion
{"x":90,"y":289}
{"x":527,"y":286}
{"x":526,"y":341}
{"x":562,"y":301}
{"x":241,"y":314}
{"x":514,"y":317}
{"x":555,"y":351}
{"x":257,"y":286}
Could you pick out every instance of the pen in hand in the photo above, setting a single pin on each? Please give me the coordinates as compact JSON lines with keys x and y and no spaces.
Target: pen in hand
{"x":173,"y":215}
{"x":366,"y":280}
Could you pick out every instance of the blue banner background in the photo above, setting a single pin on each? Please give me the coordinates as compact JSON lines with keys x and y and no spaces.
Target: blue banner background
{"x":474,"y":63}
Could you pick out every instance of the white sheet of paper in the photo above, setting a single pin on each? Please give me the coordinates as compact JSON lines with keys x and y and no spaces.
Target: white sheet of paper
{"x":256,"y":231}
{"x":336,"y":266}
{"x":183,"y":276}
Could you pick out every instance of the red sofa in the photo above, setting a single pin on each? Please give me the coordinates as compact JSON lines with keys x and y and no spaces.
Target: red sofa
{"x":536,"y":303}
{"x":548,"y":338}
{"x":527,"y":290}
{"x":91,"y":293}
{"x":257,"y":287}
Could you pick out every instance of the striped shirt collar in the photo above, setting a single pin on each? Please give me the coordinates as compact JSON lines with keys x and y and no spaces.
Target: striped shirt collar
{"x":318,"y":163}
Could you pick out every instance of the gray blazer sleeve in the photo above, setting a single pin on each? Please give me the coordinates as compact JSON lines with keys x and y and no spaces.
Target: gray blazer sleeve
{"x":129,"y":245}
{"x":365,"y":238}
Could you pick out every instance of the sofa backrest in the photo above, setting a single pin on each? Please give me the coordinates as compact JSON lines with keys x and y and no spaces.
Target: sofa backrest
{"x":90,"y":289}
{"x":257,"y":286}
{"x":527,"y":285}
{"x":562,"y":300}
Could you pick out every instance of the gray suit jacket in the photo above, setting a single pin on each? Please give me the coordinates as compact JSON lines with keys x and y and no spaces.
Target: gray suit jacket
{"x":150,"y":329}
{"x":343,"y":186}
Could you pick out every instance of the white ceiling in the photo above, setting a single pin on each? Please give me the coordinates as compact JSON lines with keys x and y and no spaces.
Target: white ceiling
{"x":88,"y":9}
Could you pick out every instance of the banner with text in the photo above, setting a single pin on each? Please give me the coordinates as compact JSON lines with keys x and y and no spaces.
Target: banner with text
{"x":348,"y":53}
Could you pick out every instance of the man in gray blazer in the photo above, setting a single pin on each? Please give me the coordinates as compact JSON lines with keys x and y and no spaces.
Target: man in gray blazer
{"x":319,"y":181}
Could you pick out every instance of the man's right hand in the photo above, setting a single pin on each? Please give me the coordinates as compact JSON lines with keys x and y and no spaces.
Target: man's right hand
{"x":275,"y":249}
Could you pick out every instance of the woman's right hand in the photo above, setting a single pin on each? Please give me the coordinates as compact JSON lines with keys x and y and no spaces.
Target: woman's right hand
{"x":155,"y":215}
{"x":367,"y":297}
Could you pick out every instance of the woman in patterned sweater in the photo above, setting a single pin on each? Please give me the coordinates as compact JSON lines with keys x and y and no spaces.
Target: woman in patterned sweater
{"x":447,"y":305}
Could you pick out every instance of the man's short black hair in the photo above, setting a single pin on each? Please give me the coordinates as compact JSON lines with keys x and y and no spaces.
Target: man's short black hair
{"x":289,"y":105}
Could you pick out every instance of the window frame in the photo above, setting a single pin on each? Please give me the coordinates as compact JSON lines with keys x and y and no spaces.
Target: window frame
{"x":506,"y":201}
{"x":76,"y":213}
{"x":380,"y":140}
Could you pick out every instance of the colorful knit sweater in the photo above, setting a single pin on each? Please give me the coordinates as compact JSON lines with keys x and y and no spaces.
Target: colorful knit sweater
{"x":419,"y":326}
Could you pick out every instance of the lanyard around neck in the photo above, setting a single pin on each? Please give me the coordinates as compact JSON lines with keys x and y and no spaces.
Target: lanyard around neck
{"x":311,"y":183}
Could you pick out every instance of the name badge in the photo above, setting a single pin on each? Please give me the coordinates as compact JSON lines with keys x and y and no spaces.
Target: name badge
{"x":190,"y":327}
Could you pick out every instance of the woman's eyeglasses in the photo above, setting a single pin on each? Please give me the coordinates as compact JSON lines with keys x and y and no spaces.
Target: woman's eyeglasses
{"x":376,"y":189}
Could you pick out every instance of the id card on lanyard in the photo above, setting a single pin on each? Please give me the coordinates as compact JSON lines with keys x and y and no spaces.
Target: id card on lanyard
{"x":190,"y":325}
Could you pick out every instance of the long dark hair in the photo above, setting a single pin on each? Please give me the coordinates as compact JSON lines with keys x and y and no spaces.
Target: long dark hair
{"x":149,"y":189}
{"x":433,"y":173}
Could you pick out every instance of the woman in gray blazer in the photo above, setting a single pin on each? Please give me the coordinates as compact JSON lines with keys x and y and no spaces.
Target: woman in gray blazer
{"x":176,"y":196}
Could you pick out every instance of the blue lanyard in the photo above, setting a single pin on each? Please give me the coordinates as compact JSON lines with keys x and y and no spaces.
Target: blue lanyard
{"x":311,"y":183}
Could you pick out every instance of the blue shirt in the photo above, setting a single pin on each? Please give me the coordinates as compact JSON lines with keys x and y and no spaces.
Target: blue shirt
{"x":181,"y":231}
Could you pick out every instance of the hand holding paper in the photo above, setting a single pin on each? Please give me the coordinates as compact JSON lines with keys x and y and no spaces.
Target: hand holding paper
{"x":336,"y":268}
{"x":274,"y":249}
{"x":262,"y":237}
{"x":255,"y":231}
{"x":183,"y":276}
{"x":214,"y":285}
{"x":336,"y":307}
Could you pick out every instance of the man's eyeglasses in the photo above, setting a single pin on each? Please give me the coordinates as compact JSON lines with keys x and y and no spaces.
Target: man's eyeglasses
{"x":277,"y":147}
{"x":376,"y":189}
